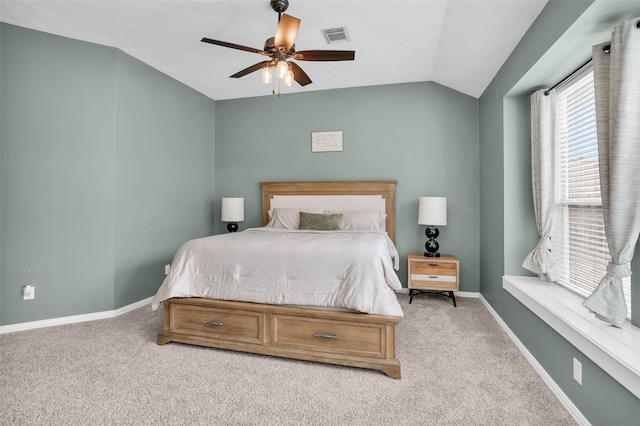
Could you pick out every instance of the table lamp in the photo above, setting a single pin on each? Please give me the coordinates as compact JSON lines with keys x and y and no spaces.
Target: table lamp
{"x":432,"y":212}
{"x":232,"y":212}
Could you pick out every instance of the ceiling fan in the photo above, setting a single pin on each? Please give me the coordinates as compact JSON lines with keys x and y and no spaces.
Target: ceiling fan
{"x":281,"y":48}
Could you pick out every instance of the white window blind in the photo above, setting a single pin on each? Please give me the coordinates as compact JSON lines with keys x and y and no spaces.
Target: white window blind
{"x":580,"y":244}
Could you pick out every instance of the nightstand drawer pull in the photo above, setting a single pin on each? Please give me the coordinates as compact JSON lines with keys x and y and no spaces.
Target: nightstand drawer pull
{"x":325,"y":336}
{"x":219,"y":324}
{"x":434,"y":276}
{"x":434,"y":264}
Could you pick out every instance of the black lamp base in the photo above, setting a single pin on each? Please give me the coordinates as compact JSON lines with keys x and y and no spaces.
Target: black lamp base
{"x":427,"y":254}
{"x":432,"y":246}
{"x":232,"y":227}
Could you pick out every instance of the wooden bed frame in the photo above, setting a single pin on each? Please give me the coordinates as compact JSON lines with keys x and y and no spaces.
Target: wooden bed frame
{"x":328,"y":336}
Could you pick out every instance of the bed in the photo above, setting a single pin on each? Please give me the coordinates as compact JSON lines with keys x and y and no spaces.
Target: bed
{"x":322,"y":328}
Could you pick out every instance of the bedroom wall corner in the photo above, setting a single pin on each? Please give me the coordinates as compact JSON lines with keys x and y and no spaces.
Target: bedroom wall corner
{"x":107,"y":166}
{"x":164,"y":174}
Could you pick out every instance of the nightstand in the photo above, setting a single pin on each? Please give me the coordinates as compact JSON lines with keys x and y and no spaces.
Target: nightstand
{"x":433,"y":275}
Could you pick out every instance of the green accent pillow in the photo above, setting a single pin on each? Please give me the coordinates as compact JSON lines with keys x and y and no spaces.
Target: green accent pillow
{"x":320,"y":222}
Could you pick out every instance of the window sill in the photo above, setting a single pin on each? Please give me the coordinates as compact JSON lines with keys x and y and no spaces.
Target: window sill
{"x":615,"y":350}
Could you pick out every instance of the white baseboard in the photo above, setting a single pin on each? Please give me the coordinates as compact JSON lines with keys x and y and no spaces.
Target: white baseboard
{"x":564,"y":399}
{"x":471,"y":294}
{"x":73,"y":319}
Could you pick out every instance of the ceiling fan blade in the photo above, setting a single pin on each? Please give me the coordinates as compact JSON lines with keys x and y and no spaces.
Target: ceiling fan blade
{"x":299,"y":75}
{"x":325,"y":55}
{"x":250,"y":69}
{"x":287,"y":31}
{"x":233,"y":46}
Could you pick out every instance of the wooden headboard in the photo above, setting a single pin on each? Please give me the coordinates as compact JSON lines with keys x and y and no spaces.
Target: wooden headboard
{"x":385,"y":188}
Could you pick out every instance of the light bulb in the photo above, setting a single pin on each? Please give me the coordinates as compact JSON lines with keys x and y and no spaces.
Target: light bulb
{"x":288,"y":79}
{"x":267,"y":74}
{"x":282,"y":67}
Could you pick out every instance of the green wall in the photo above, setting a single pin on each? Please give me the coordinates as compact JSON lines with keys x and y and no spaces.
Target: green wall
{"x":163,"y":177}
{"x":95,"y":195}
{"x":422,"y":134}
{"x":57,"y":184}
{"x":559,"y":41}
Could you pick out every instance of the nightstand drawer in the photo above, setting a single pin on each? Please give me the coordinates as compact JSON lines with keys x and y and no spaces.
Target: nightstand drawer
{"x":440,"y":283}
{"x":434,"y":268}
{"x":430,"y":277}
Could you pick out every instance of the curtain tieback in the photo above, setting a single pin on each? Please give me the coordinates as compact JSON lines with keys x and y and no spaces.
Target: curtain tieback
{"x":620,"y":271}
{"x":544,"y":243}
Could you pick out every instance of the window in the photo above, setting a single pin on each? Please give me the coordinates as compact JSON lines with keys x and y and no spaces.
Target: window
{"x":579,"y":240}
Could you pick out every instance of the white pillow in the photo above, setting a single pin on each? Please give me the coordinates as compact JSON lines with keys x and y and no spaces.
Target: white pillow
{"x":363,"y":220}
{"x":287,"y":218}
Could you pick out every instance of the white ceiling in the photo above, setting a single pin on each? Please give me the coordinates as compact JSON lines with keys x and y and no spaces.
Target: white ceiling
{"x":459,"y":44}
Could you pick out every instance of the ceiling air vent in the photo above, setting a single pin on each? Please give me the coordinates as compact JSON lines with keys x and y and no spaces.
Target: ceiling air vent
{"x":336,"y":35}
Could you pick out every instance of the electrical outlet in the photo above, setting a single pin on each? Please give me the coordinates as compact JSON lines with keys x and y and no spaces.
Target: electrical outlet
{"x":167,"y":269}
{"x":28,"y":292}
{"x":577,"y":371}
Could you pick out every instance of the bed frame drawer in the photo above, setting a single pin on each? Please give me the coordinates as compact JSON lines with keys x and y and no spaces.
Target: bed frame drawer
{"x":218,"y":323}
{"x":335,"y":337}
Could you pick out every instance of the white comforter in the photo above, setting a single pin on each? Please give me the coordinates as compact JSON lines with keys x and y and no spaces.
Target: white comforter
{"x":337,"y":269}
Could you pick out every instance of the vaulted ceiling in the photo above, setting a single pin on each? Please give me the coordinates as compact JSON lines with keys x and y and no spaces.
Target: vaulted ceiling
{"x":456,"y":43}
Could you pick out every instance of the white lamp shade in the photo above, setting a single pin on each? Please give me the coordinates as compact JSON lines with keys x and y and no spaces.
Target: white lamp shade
{"x":232,"y":209}
{"x":432,"y":211}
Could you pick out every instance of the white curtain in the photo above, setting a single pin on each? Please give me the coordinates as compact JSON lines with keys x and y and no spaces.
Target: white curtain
{"x":543,"y":126}
{"x":617,"y":97}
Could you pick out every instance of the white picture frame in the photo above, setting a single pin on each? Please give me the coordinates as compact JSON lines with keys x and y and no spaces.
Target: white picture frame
{"x":326,"y":141}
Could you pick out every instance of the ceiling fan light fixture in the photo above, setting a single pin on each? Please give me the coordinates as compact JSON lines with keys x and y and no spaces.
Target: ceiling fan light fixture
{"x":282,"y":68}
{"x":282,"y":47}
{"x":288,"y":78}
{"x":267,"y":74}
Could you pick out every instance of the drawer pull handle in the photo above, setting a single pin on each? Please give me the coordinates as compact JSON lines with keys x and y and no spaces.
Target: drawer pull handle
{"x":325,"y":336}
{"x":433,"y":276}
{"x":213,"y":323}
{"x":434,"y":264}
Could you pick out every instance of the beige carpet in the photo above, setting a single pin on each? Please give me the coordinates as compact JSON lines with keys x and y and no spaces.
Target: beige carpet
{"x":458,"y":368}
